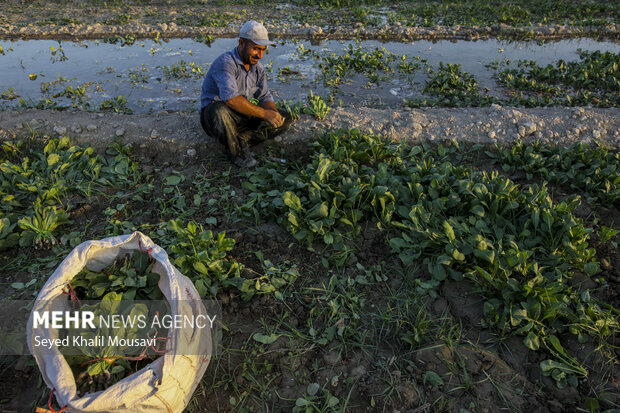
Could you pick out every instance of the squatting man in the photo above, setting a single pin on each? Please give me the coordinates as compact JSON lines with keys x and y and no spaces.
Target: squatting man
{"x":234,"y":80}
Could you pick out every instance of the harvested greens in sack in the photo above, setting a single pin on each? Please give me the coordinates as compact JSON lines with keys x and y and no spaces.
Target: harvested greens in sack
{"x":168,"y":369}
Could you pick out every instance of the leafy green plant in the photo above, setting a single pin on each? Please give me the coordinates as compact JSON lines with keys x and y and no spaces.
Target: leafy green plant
{"x":344,"y":184}
{"x":591,"y":169}
{"x":9,"y":94}
{"x":369,"y":61}
{"x":450,"y":86}
{"x":313,"y":402}
{"x":590,"y":80}
{"x":99,"y":366}
{"x":316,"y":107}
{"x":272,"y":279}
{"x":516,"y":244}
{"x":183,"y":69}
{"x":38,"y":229}
{"x":118,"y":105}
{"x":293,"y":107}
{"x":127,"y":40}
{"x":8,"y":236}
{"x":207,"y":39}
{"x":203,"y":257}
{"x":38,"y":187}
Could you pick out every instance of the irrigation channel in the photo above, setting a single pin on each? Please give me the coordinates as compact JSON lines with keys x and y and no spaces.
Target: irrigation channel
{"x":167,"y":75}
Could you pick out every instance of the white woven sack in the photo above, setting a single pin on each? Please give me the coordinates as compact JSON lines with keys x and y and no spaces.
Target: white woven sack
{"x":167,"y":384}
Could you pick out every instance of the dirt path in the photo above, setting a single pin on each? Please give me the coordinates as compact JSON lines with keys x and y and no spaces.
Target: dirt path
{"x":482,"y":125}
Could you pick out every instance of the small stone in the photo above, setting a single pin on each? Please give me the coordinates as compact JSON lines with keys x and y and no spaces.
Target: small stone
{"x":61,"y":130}
{"x":154,"y":134}
{"x":91,"y":127}
{"x":495,"y":106}
{"x":277,"y":139}
{"x":358,"y":372}
{"x":596,"y":133}
{"x":143,"y":145}
{"x":120,"y":132}
{"x":530,"y":127}
{"x":191,"y":152}
{"x":492,"y":134}
{"x":76,"y":129}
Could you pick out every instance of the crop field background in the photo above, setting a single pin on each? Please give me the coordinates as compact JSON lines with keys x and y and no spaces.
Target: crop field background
{"x":356,"y":272}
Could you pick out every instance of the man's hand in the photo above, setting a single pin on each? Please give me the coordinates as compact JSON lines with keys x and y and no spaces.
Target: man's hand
{"x":274,"y":118}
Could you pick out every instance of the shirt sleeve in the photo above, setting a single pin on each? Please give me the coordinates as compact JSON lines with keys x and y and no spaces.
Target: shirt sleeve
{"x":224,"y":77}
{"x":263,"y":94}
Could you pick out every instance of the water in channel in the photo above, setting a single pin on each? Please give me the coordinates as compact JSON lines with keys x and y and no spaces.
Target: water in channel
{"x":167,"y":75}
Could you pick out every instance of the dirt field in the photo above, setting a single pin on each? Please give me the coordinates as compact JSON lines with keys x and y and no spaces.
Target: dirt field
{"x":361,"y":337}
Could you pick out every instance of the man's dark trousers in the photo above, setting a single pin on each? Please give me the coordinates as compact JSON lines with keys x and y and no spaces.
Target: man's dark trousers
{"x":235,"y":130}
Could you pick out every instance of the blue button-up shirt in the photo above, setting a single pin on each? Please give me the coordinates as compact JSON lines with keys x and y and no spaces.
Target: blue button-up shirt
{"x":227,"y":78}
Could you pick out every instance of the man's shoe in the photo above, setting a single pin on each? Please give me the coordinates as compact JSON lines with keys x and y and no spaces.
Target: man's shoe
{"x":246,"y":160}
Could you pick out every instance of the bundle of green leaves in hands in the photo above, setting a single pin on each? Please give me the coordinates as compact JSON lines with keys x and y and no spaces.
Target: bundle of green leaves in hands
{"x":129,"y":275}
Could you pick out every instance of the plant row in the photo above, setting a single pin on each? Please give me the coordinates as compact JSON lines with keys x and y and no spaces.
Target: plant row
{"x":515,"y":243}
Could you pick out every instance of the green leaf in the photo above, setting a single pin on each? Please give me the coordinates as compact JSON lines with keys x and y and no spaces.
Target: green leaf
{"x":458,"y":255}
{"x":448,"y":230}
{"x":262,"y":338}
{"x":592,"y":404}
{"x":201,"y":268}
{"x":487,"y":255}
{"x":531,"y":341}
{"x":313,"y":388}
{"x":433,"y":378}
{"x":332,"y":401}
{"x":52,"y":159}
{"x":173,"y":180}
{"x":478,"y":211}
{"x":292,"y":201}
{"x":301,"y":402}
{"x":323,"y":168}
{"x":591,"y":268}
